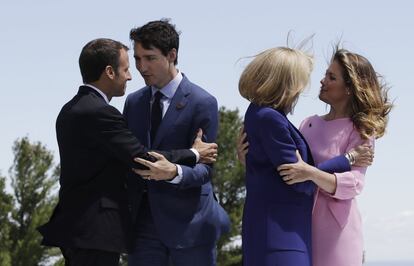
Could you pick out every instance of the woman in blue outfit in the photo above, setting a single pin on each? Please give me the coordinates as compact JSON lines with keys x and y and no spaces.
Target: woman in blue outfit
{"x":276,"y":229}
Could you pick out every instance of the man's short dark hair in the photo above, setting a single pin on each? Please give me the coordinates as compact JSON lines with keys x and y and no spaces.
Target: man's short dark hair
{"x":160,"y":34}
{"x":96,"y":55}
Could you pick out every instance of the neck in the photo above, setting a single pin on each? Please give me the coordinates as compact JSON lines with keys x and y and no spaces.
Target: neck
{"x":102,"y":87}
{"x":338,"y":112}
{"x":172,"y":73}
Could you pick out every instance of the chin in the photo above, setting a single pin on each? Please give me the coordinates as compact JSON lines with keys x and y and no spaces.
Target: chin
{"x":322,"y":99}
{"x":148,"y":82}
{"x":121,"y":93}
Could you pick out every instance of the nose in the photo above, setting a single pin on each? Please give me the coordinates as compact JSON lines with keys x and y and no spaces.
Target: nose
{"x":322,"y":81}
{"x":129,"y":77}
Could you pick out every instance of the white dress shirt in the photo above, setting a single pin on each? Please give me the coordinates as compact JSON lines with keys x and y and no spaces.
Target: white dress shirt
{"x":99,"y":91}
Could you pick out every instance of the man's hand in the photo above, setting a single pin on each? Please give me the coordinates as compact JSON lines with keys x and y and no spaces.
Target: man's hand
{"x":242,"y":146}
{"x":207,"y":151}
{"x":161,"y":169}
{"x":363,"y":154}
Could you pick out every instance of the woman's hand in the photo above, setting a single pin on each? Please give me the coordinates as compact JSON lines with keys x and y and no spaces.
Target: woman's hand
{"x":242,"y":146}
{"x":296,"y":172}
{"x":363,"y":155}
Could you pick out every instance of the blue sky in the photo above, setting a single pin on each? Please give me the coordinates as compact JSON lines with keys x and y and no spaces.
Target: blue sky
{"x":41,"y":41}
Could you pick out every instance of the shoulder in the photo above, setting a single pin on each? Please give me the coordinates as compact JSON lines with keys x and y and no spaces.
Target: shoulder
{"x":309,"y":121}
{"x":355,"y":137}
{"x":311,"y":118}
{"x":266,"y":115}
{"x":83,"y":104}
{"x":87,"y":110}
{"x":136,"y":95}
{"x":95,"y":107}
{"x":196,"y":91}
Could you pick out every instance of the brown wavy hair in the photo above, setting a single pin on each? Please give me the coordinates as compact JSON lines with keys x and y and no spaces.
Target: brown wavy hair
{"x":369,"y":104}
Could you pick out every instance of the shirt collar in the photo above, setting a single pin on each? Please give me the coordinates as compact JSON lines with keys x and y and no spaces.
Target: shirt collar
{"x":99,"y":91}
{"x":169,"y":89}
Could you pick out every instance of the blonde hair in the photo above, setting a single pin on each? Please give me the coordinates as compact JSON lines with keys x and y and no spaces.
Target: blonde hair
{"x":369,"y":103}
{"x":276,"y":77}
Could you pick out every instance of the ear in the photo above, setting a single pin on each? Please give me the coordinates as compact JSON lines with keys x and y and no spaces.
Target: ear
{"x":109,"y":72}
{"x":348,"y":91}
{"x":172,"y":55}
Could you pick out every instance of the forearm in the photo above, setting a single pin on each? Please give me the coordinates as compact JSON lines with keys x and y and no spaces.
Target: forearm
{"x":183,"y":156}
{"x":349,"y":184}
{"x":196,"y":176}
{"x":336,"y":164}
{"x":323,"y":180}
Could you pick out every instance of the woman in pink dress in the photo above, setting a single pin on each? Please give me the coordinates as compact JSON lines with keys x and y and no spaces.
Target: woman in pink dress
{"x":358,"y":114}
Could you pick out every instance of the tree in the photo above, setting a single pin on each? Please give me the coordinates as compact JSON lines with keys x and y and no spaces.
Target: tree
{"x":6,"y":203}
{"x":229,"y":186}
{"x":33,"y":178}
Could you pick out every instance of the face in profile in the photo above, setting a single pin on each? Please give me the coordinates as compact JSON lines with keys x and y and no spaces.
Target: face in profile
{"x":333,"y":87}
{"x":154,"y":67}
{"x":122,"y":74}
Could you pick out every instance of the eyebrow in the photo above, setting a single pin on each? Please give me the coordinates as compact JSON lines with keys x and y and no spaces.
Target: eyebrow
{"x":148,"y":55}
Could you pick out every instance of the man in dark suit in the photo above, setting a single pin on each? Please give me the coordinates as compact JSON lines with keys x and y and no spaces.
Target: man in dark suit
{"x":178,"y":220}
{"x":91,"y":221}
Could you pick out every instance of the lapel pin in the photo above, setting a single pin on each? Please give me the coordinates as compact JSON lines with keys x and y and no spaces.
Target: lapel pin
{"x":180,"y":105}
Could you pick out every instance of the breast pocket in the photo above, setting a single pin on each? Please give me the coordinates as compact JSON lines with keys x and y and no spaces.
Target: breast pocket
{"x":180,"y":135}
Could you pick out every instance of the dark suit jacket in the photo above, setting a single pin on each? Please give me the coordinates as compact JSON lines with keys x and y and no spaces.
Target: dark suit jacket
{"x":96,"y":152}
{"x":186,"y":214}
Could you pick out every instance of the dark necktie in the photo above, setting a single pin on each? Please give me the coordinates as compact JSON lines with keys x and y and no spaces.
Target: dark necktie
{"x":156,"y":115}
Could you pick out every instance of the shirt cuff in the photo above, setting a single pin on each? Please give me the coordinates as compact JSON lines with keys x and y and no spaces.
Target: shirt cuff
{"x":196,"y":154}
{"x":179,"y":176}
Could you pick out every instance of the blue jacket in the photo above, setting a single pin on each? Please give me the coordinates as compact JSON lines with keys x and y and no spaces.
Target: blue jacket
{"x":277,"y":216}
{"x":186,"y":214}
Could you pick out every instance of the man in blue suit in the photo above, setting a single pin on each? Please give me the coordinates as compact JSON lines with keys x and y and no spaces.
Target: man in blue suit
{"x":179,"y":220}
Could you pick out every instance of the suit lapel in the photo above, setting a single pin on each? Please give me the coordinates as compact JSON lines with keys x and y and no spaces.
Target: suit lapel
{"x":310,"y":157}
{"x":144,"y":111}
{"x":178,"y":104}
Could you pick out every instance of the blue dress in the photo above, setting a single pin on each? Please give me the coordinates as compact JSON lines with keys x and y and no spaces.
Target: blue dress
{"x":276,"y":229}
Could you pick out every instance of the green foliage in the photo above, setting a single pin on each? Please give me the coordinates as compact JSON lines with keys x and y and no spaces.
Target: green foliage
{"x":229,"y":186}
{"x":32,"y":181}
{"x":6,"y":205}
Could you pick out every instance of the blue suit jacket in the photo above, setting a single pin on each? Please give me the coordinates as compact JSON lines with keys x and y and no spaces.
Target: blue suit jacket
{"x":276,"y":216}
{"x":186,"y":214}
